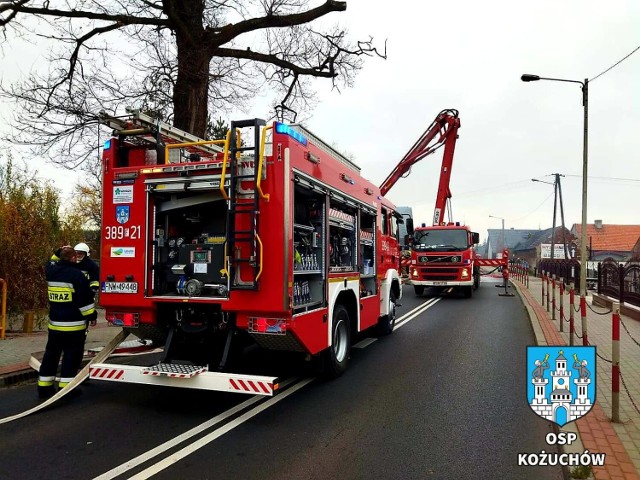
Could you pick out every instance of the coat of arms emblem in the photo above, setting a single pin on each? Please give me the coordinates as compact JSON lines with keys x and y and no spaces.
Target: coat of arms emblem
{"x":561,"y":382}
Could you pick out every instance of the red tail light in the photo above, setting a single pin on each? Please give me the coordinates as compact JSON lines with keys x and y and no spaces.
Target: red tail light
{"x":123,"y":319}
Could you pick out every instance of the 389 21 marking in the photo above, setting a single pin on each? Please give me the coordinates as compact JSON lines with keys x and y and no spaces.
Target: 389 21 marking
{"x":119,"y":232}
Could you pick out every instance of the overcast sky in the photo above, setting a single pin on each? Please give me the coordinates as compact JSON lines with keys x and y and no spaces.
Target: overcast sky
{"x":469,"y":55}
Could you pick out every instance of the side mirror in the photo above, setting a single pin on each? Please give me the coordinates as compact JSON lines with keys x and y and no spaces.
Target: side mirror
{"x":409,"y":223}
{"x":475,"y":237}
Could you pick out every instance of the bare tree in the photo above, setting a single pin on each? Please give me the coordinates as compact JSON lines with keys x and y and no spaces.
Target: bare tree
{"x":179,"y":58}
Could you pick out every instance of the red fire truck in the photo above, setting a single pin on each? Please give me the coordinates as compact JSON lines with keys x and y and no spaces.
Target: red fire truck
{"x":442,"y":254}
{"x":267,"y":236}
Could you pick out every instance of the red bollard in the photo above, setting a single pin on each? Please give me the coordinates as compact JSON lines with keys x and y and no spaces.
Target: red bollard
{"x":615,"y":363}
{"x":583,"y":315}
{"x":572,"y":302}
{"x":553,"y":297}
{"x":548,"y":289}
{"x":561,"y":304}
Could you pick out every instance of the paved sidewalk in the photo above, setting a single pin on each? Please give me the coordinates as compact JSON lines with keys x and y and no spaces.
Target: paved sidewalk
{"x":17,"y":347}
{"x":620,"y":441}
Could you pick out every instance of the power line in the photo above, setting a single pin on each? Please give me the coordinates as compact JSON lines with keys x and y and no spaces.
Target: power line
{"x":616,"y":64}
{"x":617,"y":179}
{"x":458,"y":195}
{"x":535,"y":209}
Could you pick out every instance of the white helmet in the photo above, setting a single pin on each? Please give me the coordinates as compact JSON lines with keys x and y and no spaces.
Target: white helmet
{"x":82,"y":247}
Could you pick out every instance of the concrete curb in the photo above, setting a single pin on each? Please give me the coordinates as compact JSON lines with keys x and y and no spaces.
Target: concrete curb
{"x":20,"y":374}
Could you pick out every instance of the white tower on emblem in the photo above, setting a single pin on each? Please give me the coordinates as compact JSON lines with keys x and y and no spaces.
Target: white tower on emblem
{"x":561,"y":395}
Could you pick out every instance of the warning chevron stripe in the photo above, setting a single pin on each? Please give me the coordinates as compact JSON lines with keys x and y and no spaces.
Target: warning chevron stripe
{"x":106,"y":373}
{"x":250,"y":386}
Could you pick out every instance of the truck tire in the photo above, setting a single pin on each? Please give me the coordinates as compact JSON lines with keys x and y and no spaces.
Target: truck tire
{"x":387,"y":323}
{"x":467,"y":292}
{"x":336,"y":357}
{"x":476,"y":280}
{"x":419,"y":289}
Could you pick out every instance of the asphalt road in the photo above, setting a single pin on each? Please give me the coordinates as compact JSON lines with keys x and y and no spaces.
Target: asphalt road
{"x":443,"y":397}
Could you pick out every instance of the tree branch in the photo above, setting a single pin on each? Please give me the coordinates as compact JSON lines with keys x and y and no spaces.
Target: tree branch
{"x":229,"y":32}
{"x":73,"y":60}
{"x":273,"y":60}
{"x":49,"y":12}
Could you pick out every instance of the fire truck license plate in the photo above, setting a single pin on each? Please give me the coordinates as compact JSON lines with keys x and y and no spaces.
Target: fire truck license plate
{"x":120,"y":287}
{"x":439,"y":283}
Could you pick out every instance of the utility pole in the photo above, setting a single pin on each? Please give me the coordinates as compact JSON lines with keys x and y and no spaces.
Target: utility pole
{"x":557,"y":191}
{"x":564,"y":230}
{"x":555,"y":203}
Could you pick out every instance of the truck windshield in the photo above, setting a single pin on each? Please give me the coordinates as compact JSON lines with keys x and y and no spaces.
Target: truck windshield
{"x":442,"y":240}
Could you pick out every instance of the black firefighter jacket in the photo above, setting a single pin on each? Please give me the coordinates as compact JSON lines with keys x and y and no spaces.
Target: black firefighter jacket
{"x":71,"y":303}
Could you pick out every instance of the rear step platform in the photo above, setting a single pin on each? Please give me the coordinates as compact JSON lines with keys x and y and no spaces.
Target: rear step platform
{"x":185,"y":376}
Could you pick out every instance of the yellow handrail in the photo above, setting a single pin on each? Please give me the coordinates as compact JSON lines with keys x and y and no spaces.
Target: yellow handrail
{"x":169,"y":146}
{"x":259,"y":271}
{"x":225,"y":158}
{"x":263,"y":141}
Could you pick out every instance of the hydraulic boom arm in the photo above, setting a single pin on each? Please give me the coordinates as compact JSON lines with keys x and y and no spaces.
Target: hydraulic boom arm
{"x":443,"y":131}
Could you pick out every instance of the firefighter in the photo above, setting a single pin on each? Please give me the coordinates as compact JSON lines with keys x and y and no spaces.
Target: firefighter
{"x":88,"y":266}
{"x":71,"y":308}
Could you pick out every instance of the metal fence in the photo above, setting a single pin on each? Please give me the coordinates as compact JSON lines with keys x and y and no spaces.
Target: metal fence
{"x":568,"y":270}
{"x":620,"y":281}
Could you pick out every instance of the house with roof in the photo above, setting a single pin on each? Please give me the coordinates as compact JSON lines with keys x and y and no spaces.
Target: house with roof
{"x":525,"y":242}
{"x":614,"y":241}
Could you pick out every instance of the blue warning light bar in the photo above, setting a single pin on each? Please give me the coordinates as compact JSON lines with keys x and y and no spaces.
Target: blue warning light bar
{"x":293,"y":133}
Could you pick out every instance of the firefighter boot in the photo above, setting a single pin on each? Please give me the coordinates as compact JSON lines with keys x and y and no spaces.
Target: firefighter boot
{"x":46,"y":392}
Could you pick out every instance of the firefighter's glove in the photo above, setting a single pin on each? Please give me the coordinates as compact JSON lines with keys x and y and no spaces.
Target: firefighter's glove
{"x":93,"y":319}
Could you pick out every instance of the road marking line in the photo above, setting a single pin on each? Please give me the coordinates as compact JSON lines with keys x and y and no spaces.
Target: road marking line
{"x":364,"y":343}
{"x":188,"y":450}
{"x":425,"y":307}
{"x":154,"y":452}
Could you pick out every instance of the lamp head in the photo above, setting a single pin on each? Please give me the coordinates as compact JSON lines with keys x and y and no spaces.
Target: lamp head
{"x":529,"y":78}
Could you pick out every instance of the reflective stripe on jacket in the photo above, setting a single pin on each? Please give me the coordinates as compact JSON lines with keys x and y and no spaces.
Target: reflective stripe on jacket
{"x":70,"y":298}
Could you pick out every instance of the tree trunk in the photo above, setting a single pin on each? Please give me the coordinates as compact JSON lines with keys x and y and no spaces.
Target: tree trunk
{"x":191,"y":90}
{"x":190,"y":93}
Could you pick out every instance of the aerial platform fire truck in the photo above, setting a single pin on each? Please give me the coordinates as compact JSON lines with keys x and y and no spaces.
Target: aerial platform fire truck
{"x":268,"y":236}
{"x":442,"y":255}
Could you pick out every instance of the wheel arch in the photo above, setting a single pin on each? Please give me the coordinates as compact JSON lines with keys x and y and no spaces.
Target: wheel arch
{"x":347,"y":298}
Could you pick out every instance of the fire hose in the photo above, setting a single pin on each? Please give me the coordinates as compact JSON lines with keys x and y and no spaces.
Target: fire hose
{"x":78,"y":379}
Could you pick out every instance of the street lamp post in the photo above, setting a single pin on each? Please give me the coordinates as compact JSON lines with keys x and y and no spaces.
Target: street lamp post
{"x":583,"y":229}
{"x":502,"y":246}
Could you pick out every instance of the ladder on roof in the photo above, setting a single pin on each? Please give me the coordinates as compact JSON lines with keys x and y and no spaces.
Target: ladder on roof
{"x":244,"y":247}
{"x":152,"y":130}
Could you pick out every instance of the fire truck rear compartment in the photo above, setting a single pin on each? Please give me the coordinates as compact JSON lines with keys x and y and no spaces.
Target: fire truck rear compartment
{"x":189,"y":244}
